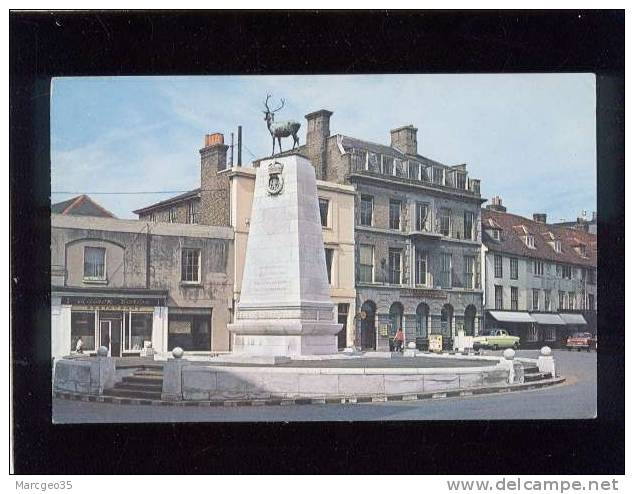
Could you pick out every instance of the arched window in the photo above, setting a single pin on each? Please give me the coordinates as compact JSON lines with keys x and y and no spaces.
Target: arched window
{"x":446,"y":318}
{"x":469,"y":320}
{"x":422,"y":316}
{"x":396,"y":317}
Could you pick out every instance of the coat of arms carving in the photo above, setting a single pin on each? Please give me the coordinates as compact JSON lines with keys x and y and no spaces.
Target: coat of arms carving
{"x":276,"y":182}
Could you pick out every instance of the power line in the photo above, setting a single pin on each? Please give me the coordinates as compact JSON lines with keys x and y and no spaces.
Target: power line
{"x":124,"y":193}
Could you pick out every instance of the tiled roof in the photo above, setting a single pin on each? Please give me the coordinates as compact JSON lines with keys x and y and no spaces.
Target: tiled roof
{"x":512,"y":232}
{"x":167,"y":202}
{"x":81,"y":206}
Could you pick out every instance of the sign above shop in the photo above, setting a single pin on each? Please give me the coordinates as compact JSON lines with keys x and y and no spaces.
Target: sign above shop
{"x":423,"y":292}
{"x":113,"y":303}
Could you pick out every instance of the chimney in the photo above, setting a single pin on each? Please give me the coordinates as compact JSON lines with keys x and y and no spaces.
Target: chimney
{"x":214,"y":188}
{"x":317,"y":133}
{"x":496,"y":205}
{"x":404,"y":139}
{"x":539,"y":217}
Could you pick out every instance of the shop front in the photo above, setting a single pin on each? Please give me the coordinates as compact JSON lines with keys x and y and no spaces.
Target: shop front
{"x":125,"y":322}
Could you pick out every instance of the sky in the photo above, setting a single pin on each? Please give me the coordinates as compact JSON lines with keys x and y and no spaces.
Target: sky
{"x":529,"y":138}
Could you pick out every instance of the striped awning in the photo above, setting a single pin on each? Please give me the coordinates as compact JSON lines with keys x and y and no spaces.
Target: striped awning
{"x":573,"y":319}
{"x":509,"y":316}
{"x":551,"y":319}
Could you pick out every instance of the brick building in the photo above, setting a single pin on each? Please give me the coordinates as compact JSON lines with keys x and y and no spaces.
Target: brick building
{"x":540,"y":280}
{"x":417,"y":236}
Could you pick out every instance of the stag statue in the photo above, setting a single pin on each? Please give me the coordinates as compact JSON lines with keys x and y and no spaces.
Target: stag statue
{"x":280,"y":129}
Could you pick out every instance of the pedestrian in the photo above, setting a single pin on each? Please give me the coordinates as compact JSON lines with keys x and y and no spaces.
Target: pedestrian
{"x":399,"y":339}
{"x":79,"y":347}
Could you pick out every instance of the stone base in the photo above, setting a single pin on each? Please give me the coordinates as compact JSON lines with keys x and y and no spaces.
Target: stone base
{"x":284,"y":345}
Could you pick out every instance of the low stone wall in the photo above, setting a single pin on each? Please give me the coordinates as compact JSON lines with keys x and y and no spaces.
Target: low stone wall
{"x":215,"y":383}
{"x":90,"y":375}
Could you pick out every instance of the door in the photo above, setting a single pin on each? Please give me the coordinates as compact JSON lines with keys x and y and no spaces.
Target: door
{"x":110,"y":336}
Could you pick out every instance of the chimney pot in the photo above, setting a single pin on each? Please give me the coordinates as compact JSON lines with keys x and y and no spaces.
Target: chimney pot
{"x":214,"y":139}
{"x":539,"y":217}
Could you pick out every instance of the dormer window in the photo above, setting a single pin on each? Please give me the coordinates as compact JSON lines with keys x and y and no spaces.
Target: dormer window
{"x":557,"y":246}
{"x":581,"y":250}
{"x":495,"y":234}
{"x":529,"y":240}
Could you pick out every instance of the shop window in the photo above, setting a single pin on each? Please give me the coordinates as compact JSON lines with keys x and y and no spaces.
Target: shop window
{"x":94,"y":263}
{"x":138,"y":330}
{"x":323,"y":211}
{"x":190,"y":266}
{"x":82,"y":325}
{"x":532,"y":334}
{"x":191,"y":333}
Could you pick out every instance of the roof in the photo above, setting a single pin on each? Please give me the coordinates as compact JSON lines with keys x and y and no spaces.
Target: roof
{"x":172,"y":200}
{"x":354,"y":143}
{"x":81,"y":205}
{"x":511,"y":242}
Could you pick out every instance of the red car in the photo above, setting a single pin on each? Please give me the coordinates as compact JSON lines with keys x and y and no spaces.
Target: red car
{"x":581,"y":341}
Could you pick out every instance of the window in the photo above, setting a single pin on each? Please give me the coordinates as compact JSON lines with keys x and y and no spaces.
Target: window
{"x":395,"y":266}
{"x":590,"y":302}
{"x":444,"y":221}
{"x":323,"y":211}
{"x":366,"y":210}
{"x":414,"y":170}
{"x":461,"y":180}
{"x":497,"y":264}
{"x":538,"y":268}
{"x":137,"y":330}
{"x":395,"y":215}
{"x":422,"y":217}
{"x":94,"y":263}
{"x":562,"y":301}
{"x":592,"y":277}
{"x":366,"y":263}
{"x":564,"y":271}
{"x":547,"y":300}
{"x":532,"y":334}
{"x":329,"y":254}
{"x":437,"y":175}
{"x":172,"y":215}
{"x":557,"y":246}
{"x":551,"y":334}
{"x":514,"y":298}
{"x":421,"y":267}
{"x":152,"y":217}
{"x":446,"y":270}
{"x":535,"y":299}
{"x":571,"y":300}
{"x":495,"y":234}
{"x":190,"y":332}
{"x":498,"y":298}
{"x":190,"y":266}
{"x":469,"y":234}
{"x":387,"y":165}
{"x":192,"y":212}
{"x":82,"y":325}
{"x":513,"y":268}
{"x":529,"y":240}
{"x":469,"y":264}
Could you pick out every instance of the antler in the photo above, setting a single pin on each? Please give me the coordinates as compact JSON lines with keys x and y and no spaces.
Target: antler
{"x":266,"y":103}
{"x":282,"y":100}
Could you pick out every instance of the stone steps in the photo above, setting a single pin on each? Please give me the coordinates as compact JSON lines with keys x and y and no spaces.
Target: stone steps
{"x":534,"y":377}
{"x":145,"y":383}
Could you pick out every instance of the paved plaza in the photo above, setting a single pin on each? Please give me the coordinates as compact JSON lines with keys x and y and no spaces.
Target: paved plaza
{"x":574,"y":399}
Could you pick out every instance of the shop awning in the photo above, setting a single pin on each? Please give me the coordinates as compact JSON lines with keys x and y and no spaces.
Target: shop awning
{"x":552,"y":319}
{"x":504,"y":316}
{"x":573,"y":318}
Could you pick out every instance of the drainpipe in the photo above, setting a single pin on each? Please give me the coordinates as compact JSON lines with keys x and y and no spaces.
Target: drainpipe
{"x":148,"y":244}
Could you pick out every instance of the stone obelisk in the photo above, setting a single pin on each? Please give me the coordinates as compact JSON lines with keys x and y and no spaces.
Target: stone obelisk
{"x":285,"y":307}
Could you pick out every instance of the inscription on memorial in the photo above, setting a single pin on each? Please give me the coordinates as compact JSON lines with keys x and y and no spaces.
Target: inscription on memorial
{"x":271,"y":279}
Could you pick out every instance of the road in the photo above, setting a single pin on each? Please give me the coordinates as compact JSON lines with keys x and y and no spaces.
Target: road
{"x":575,"y":399}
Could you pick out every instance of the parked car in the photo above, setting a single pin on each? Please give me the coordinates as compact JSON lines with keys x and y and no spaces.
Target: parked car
{"x":581,"y":341}
{"x":494,"y":339}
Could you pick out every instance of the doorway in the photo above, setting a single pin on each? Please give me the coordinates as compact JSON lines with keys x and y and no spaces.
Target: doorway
{"x":110,"y":336}
{"x":368,"y":327}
